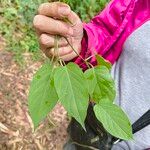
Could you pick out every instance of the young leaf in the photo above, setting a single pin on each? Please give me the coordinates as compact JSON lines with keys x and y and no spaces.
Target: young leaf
{"x":102,"y":62}
{"x":42,"y":94}
{"x":72,"y":91}
{"x":114,"y":120}
{"x":100,"y":84}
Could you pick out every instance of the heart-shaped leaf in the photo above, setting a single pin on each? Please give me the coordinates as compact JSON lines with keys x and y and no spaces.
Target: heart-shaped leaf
{"x":102,"y":62}
{"x":114,"y":120}
{"x":71,"y":88}
{"x":42,"y":94}
{"x":100,"y":84}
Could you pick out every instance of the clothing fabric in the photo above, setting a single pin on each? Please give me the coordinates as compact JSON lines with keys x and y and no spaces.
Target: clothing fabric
{"x":107,"y":32}
{"x":111,"y":33}
{"x":132,"y":77}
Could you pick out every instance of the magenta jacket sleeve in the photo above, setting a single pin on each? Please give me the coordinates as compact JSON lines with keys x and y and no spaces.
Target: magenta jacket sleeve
{"x":106,"y":32}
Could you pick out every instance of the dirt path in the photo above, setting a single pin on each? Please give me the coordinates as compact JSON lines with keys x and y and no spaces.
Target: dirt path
{"x":15,"y":123}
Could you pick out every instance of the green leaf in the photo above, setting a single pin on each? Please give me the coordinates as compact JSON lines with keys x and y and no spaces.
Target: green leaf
{"x":42,"y":94}
{"x":100,"y":84}
{"x":72,"y":91}
{"x":114,"y":120}
{"x":102,"y":62}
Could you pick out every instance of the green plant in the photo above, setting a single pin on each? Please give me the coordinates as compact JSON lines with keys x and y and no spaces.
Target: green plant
{"x":74,"y":89}
{"x":16,"y":26}
{"x":86,"y":9}
{"x":16,"y":22}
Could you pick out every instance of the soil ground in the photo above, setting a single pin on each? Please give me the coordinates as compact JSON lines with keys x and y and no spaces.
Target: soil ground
{"x":16,"y":128}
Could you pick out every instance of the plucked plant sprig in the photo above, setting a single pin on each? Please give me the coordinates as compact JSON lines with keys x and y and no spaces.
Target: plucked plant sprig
{"x":74,"y":89}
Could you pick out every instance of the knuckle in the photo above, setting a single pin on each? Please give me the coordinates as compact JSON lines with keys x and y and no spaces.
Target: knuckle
{"x":42,"y":40}
{"x":43,"y":7}
{"x":64,"y":29}
{"x":59,"y":28}
{"x":37,"y":21}
{"x":56,"y":4}
{"x":40,"y":9}
{"x":46,"y":40}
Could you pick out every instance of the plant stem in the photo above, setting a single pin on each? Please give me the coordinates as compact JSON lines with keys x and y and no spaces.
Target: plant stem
{"x":64,"y":62}
{"x":56,"y":49}
{"x":61,"y":62}
{"x":56,"y":45}
{"x":89,"y":58}
{"x":52,"y":59}
{"x":86,"y":146}
{"x":87,"y":63}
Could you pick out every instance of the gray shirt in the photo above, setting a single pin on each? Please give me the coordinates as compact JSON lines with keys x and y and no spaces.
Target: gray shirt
{"x":132,"y":75}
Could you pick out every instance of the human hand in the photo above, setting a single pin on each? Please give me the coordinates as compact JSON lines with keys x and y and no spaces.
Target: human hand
{"x":50,"y":22}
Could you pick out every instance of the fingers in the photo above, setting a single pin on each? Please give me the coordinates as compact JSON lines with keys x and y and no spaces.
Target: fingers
{"x":73,"y":18}
{"x":72,"y":54}
{"x":52,"y":26}
{"x":61,"y":51}
{"x":66,"y":57}
{"x":66,"y":53}
{"x":51,"y":21}
{"x":69,"y":57}
{"x":55,"y":9}
{"x":58,"y":10}
{"x":48,"y":41}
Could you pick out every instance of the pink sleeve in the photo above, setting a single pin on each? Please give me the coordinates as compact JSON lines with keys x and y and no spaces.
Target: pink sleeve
{"x":101,"y":31}
{"x":107,"y":32}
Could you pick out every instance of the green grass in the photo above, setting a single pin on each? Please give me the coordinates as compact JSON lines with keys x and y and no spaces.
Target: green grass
{"x":86,"y":9}
{"x":16,"y":23}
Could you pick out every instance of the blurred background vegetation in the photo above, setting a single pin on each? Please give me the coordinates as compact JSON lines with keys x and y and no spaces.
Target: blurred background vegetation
{"x":16,"y":23}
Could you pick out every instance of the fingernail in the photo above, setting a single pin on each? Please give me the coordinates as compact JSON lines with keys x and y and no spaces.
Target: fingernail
{"x":70,"y":31}
{"x":64,"y":10}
